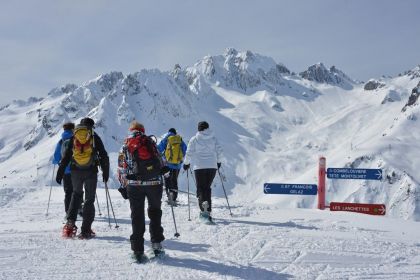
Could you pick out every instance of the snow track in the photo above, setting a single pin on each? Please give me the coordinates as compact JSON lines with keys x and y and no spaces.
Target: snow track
{"x":264,"y":243}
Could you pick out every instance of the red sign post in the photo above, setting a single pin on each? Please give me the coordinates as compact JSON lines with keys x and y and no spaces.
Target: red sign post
{"x":371,"y":209}
{"x":321,"y":183}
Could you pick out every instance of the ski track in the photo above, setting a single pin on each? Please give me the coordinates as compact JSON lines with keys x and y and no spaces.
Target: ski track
{"x":254,"y":246}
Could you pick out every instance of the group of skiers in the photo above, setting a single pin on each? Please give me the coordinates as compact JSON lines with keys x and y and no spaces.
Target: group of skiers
{"x":144,"y":168}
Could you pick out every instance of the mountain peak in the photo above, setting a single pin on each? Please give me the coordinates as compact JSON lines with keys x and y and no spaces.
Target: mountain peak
{"x":414,"y":73}
{"x":242,"y":70}
{"x":230,"y":52}
{"x":106,"y":81}
{"x":333,"y":76}
{"x":63,"y":89}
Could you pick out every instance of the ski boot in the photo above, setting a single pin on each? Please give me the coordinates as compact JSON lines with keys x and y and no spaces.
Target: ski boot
{"x":157,"y":250}
{"x":87,"y":234}
{"x":69,"y":230}
{"x":140,"y":257}
{"x":205,"y":216}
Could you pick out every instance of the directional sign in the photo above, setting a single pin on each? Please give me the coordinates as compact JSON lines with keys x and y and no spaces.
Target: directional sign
{"x":353,"y":173}
{"x":371,"y":209}
{"x":300,"y":189}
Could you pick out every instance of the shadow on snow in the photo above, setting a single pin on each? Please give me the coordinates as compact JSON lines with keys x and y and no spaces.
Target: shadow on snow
{"x":240,"y":271}
{"x":289,"y":224}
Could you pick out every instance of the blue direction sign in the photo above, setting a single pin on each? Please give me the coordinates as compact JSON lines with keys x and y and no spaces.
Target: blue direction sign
{"x":353,"y":173}
{"x":300,"y":189}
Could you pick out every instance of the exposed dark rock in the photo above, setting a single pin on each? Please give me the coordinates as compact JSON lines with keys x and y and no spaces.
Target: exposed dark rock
{"x":373,"y":84}
{"x":412,"y":100}
{"x":282,"y":69}
{"x":414,"y":73}
{"x":333,"y":76}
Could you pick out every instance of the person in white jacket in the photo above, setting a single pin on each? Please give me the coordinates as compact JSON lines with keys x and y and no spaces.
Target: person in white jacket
{"x":205,"y":152}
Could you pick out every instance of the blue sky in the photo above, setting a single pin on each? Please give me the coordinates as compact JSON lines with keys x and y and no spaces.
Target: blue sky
{"x":44,"y":44}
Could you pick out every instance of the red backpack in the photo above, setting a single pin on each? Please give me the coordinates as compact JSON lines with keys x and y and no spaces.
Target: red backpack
{"x":146,"y":160}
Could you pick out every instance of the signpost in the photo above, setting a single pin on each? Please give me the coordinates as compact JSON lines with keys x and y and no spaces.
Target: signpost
{"x":371,"y":209}
{"x":298,"y":189}
{"x":353,"y":173}
{"x":322,"y":163}
{"x":320,"y":189}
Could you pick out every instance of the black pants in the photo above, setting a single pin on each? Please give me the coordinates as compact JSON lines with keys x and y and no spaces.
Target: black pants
{"x":204,"y":179}
{"x":171,"y":183}
{"x":68,"y":190}
{"x":136,"y":196}
{"x":89,"y":179}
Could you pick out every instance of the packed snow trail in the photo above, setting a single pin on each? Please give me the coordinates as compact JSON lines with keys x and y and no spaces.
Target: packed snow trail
{"x":259,"y":242}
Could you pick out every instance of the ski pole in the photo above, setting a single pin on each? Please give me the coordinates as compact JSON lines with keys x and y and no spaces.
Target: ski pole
{"x":193,"y":178}
{"x":97,"y":202}
{"x":173,"y":215}
{"x":179,"y":191}
{"x":49,"y":197}
{"x":188,"y":190}
{"x":107,"y":206}
{"x":112,"y":208}
{"x":223,"y":186}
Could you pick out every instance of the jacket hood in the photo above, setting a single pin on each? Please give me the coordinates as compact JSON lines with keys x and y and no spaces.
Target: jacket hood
{"x":170,"y":134}
{"x":67,"y":134}
{"x":204,"y":134}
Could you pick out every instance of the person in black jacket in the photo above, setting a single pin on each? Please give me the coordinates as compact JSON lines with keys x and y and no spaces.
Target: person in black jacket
{"x":84,"y":155}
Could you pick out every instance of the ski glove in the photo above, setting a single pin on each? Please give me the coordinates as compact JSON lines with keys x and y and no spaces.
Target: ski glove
{"x":58,"y":179}
{"x":186,"y":166}
{"x":105,"y":175}
{"x":60,"y":174}
{"x":219,"y":164}
{"x":123,"y":192}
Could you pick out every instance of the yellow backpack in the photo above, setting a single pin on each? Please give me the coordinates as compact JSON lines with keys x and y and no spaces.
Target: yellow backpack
{"x":173,"y":152}
{"x":83,"y":147}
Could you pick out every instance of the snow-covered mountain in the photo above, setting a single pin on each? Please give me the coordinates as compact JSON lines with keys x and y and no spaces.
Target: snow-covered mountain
{"x":333,"y":76}
{"x":272,"y":124}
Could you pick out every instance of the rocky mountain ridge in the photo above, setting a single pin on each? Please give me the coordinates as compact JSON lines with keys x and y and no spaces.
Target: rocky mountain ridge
{"x":273,"y":123}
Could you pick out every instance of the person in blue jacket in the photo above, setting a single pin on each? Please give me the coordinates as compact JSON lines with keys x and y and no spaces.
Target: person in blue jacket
{"x":173,"y":149}
{"x":58,"y":154}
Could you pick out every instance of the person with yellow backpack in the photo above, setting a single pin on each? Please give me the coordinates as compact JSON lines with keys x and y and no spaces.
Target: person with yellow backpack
{"x":59,"y":151}
{"x":173,"y":149}
{"x":84,"y":153}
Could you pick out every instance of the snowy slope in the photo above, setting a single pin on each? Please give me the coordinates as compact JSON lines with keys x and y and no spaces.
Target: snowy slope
{"x":258,"y":242}
{"x":272,"y":123}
